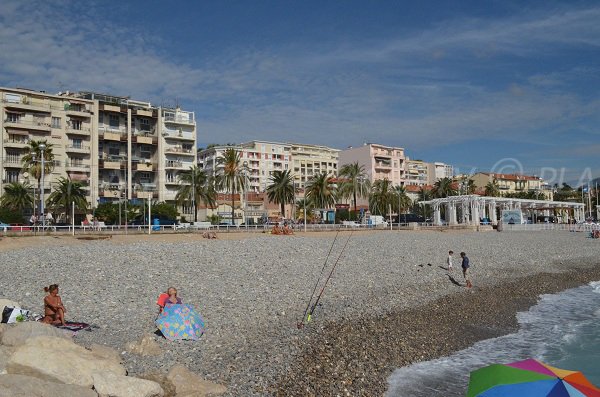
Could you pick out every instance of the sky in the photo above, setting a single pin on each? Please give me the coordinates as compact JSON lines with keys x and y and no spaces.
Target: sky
{"x":499,"y":86}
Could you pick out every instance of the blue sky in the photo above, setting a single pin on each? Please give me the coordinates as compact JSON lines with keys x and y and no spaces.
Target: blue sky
{"x":486,"y":85}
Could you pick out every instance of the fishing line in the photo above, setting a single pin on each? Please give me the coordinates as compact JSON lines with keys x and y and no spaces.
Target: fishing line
{"x":319,"y":278}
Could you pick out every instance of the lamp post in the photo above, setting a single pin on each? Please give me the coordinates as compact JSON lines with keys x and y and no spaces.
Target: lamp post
{"x":246,"y":183}
{"x":42,"y":147}
{"x":194,"y":195}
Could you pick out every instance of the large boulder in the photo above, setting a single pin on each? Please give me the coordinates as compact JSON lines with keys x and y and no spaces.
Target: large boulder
{"x":189,"y":384}
{"x":5,"y":353}
{"x":60,"y":360}
{"x":106,"y":352}
{"x":108,"y":384}
{"x":18,"y":333}
{"x":146,"y":346}
{"x":27,"y":386}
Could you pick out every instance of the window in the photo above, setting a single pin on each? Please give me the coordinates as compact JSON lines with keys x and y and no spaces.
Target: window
{"x":144,"y":124}
{"x":76,"y":124}
{"x":145,"y":152}
{"x":170,"y":176}
{"x":13,"y":117}
{"x":55,"y":122}
{"x":113,"y":149}
{"x":113,"y":121}
{"x":77,"y":144}
{"x":12,"y":176}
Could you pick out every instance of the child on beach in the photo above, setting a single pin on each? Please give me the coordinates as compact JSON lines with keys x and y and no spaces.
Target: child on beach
{"x":465,"y":269}
{"x":449,"y":261}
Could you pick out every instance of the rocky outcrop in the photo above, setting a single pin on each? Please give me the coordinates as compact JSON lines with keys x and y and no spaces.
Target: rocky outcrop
{"x":18,"y":333}
{"x":60,"y":360}
{"x":27,"y":386}
{"x":188,"y":384}
{"x":146,"y":346}
{"x":107,"y":384}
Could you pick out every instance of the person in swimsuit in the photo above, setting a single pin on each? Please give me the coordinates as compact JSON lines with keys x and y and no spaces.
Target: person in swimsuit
{"x":170,"y":297}
{"x":54,"y":310}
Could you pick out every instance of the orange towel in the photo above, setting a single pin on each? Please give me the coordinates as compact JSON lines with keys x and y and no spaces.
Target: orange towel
{"x":162,"y":298}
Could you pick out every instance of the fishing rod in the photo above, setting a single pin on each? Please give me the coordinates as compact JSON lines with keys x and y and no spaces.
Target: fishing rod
{"x":312,"y":310}
{"x":301,"y":323}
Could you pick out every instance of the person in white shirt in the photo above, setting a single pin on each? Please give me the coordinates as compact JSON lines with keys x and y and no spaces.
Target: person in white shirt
{"x":449,"y":260}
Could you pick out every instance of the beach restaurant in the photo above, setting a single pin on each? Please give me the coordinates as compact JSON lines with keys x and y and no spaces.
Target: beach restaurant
{"x":473,"y":208}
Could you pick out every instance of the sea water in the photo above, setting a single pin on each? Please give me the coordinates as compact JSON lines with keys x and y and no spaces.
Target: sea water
{"x":562,"y":330}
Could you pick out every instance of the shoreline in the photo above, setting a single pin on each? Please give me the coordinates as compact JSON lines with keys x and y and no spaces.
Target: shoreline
{"x":356,"y":356}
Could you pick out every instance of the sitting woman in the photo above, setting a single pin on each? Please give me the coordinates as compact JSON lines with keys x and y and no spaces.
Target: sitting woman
{"x":276,"y":229}
{"x":54,"y":310}
{"x":168,"y":298}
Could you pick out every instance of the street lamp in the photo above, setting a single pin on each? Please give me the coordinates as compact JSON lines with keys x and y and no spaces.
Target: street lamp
{"x":246,"y":183}
{"x":42,"y":147}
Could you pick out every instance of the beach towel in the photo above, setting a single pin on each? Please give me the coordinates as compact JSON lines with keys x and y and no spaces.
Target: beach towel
{"x":162,"y":298}
{"x":74,"y":327}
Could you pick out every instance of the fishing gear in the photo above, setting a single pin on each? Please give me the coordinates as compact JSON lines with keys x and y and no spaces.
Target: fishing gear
{"x":300,"y":324}
{"x":314,"y":306}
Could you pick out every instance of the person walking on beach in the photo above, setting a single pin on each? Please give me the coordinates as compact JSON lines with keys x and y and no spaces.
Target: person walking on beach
{"x":465,"y":269}
{"x":449,"y":261}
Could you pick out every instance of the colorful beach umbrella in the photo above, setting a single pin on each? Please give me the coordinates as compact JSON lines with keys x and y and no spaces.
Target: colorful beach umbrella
{"x":180,"y":322}
{"x":529,"y":378}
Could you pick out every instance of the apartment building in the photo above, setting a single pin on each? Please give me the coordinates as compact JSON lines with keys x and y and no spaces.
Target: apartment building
{"x":437,"y":171}
{"x":309,"y":160}
{"x":262,"y":158}
{"x":380,"y":162}
{"x":508,"y":183}
{"x":417,"y":172}
{"x":141,"y":148}
{"x":67,"y":124}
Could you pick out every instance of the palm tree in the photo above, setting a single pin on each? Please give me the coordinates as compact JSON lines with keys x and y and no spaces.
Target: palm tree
{"x":17,"y":196}
{"x":300,"y":204}
{"x":281,"y":190}
{"x":354,"y":181}
{"x":492,"y":189}
{"x":382,"y":196}
{"x":32,"y":159}
{"x":402,"y":200}
{"x":424,"y":195}
{"x":196,"y":187}
{"x":471,"y":186}
{"x":66,"y":192}
{"x":233,"y":178}
{"x":443,"y":188}
{"x":321,"y":190}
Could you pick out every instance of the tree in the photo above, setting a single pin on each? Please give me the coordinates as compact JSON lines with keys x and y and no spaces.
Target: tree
{"x":471,"y":186}
{"x":281,"y":190}
{"x":320,"y":190}
{"x":424,"y":195}
{"x":233,"y":178}
{"x":32,"y":159}
{"x":492,"y":189}
{"x":443,"y":188}
{"x":66,"y":192}
{"x":354,"y":181}
{"x":17,"y":196}
{"x":401,"y":201}
{"x":164,"y":210}
{"x":382,"y":196}
{"x":300,"y":204}
{"x":196,"y":187}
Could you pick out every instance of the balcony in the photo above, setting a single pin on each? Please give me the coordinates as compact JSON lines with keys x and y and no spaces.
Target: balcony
{"x":145,"y":195}
{"x":12,"y":161}
{"x":16,"y":143}
{"x":187,"y":119}
{"x":112,"y":133}
{"x":112,"y":164}
{"x":145,"y":139}
{"x":104,"y":192}
{"x":179,"y":150}
{"x":77,"y":149}
{"x":148,"y":167}
{"x":81,"y":131}
{"x":76,"y":166}
{"x":174,"y":164}
{"x":28,"y":124}
{"x":28,"y":103}
{"x":180,"y":136}
{"x":110,"y":108}
{"x":79,"y":111}
{"x":145,"y":113}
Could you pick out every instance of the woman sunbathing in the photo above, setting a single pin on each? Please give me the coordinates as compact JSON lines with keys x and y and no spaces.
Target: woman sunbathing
{"x":170,"y":297}
{"x":54,"y":310}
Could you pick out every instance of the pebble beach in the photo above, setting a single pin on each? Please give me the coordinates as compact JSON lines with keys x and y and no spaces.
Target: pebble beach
{"x":386,"y":305}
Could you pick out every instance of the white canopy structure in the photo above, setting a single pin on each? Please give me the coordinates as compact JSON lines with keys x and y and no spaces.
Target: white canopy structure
{"x":473,"y":208}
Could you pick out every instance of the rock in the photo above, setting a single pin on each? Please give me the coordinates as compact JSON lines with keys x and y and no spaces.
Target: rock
{"x":5,"y":353}
{"x":18,"y":333}
{"x":105,"y":352}
{"x":161,"y":379}
{"x":189,"y":384}
{"x":59,"y":360}
{"x":146,"y":346}
{"x":108,"y":384}
{"x":27,"y":386}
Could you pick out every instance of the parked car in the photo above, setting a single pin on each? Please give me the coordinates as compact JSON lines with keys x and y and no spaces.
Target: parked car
{"x":410,"y":218}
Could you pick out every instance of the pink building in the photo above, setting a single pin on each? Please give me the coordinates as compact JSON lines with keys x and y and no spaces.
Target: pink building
{"x":380,"y":162}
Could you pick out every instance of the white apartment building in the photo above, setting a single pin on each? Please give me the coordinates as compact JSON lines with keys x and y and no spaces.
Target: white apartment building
{"x":437,"y":171}
{"x":380,"y":162}
{"x":417,"y":172}
{"x":309,"y":160}
{"x":68,"y":126}
{"x":117,"y":147}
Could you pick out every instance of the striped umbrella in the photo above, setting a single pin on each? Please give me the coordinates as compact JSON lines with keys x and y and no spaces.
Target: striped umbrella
{"x":529,"y":378}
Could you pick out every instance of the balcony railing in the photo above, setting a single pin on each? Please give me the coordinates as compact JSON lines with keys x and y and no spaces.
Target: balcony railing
{"x":173,"y":164}
{"x":71,"y":164}
{"x":38,"y":124}
{"x":82,"y":148}
{"x":24,"y":141}
{"x":170,"y":118}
